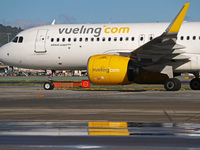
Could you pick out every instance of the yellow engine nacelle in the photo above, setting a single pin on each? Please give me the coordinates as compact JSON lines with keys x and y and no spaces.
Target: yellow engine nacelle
{"x":110,"y":70}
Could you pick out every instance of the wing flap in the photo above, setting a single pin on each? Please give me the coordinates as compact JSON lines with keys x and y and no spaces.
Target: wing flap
{"x":166,"y":52}
{"x":168,"y":47}
{"x":177,"y":57}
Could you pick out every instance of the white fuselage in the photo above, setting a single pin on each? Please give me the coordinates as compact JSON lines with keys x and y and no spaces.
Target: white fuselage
{"x":56,"y":47}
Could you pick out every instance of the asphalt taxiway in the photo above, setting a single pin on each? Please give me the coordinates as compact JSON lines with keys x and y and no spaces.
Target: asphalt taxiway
{"x":31,"y":104}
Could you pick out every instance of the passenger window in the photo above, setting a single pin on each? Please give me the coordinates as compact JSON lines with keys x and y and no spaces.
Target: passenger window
{"x":80,"y":39}
{"x":194,"y":37}
{"x":126,"y":38}
{"x":98,"y":39}
{"x":109,"y":39}
{"x":52,"y":39}
{"x":20,"y":39}
{"x":75,"y":39}
{"x":141,"y":38}
{"x":63,"y":39}
{"x":103,"y":39}
{"x":115,"y":39}
{"x":132,"y":39}
{"x":151,"y":38}
{"x":188,"y":37}
{"x":15,"y":39}
{"x":58,"y":39}
{"x":92,"y":39}
{"x":182,"y":37}
{"x":86,"y":39}
{"x":121,"y":38}
{"x":69,"y":39}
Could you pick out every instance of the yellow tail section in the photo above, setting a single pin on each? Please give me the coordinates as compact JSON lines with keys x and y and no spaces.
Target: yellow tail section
{"x":178,"y":20}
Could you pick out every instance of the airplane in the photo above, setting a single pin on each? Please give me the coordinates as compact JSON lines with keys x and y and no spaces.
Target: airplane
{"x":113,"y":54}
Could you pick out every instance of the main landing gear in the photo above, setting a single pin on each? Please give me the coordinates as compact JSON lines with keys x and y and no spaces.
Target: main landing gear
{"x":172,"y":84}
{"x":195,"y":83}
{"x":49,"y":85}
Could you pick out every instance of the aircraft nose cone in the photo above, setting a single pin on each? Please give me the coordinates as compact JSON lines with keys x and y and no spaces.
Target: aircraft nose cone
{"x":0,"y":54}
{"x":5,"y":54}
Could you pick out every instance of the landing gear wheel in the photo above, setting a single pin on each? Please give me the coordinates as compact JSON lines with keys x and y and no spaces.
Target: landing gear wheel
{"x":48,"y":86}
{"x":52,"y":86}
{"x":172,"y":84}
{"x":195,"y":84}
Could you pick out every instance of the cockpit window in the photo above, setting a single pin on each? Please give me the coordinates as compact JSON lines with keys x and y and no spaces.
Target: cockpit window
{"x":20,"y":39}
{"x":15,"y":39}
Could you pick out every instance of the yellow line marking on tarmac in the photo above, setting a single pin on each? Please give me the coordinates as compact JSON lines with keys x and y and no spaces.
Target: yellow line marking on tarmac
{"x":39,"y":96}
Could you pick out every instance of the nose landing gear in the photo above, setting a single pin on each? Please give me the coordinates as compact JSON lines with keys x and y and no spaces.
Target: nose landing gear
{"x":49,"y":85}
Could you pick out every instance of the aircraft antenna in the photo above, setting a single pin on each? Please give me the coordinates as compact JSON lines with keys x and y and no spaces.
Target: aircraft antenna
{"x":53,"y":23}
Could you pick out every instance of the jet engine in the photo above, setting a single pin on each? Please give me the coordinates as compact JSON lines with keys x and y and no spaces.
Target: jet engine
{"x":112,"y":70}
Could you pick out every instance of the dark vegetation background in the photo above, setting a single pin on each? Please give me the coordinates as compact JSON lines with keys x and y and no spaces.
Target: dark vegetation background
{"x":5,"y":30}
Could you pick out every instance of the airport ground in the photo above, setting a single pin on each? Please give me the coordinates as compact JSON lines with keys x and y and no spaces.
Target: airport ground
{"x":131,"y":104}
{"x":31,"y":104}
{"x":128,"y":103}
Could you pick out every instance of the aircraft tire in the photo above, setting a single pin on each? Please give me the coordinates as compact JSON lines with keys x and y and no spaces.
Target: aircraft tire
{"x":52,"y":85}
{"x":48,"y":86}
{"x":195,"y":84}
{"x":172,"y":84}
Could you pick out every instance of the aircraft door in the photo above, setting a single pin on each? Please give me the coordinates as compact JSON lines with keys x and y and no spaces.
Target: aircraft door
{"x":40,"y":42}
{"x":141,"y":39}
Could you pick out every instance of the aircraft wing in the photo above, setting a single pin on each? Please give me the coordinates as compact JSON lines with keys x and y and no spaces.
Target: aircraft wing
{"x":163,"y":47}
